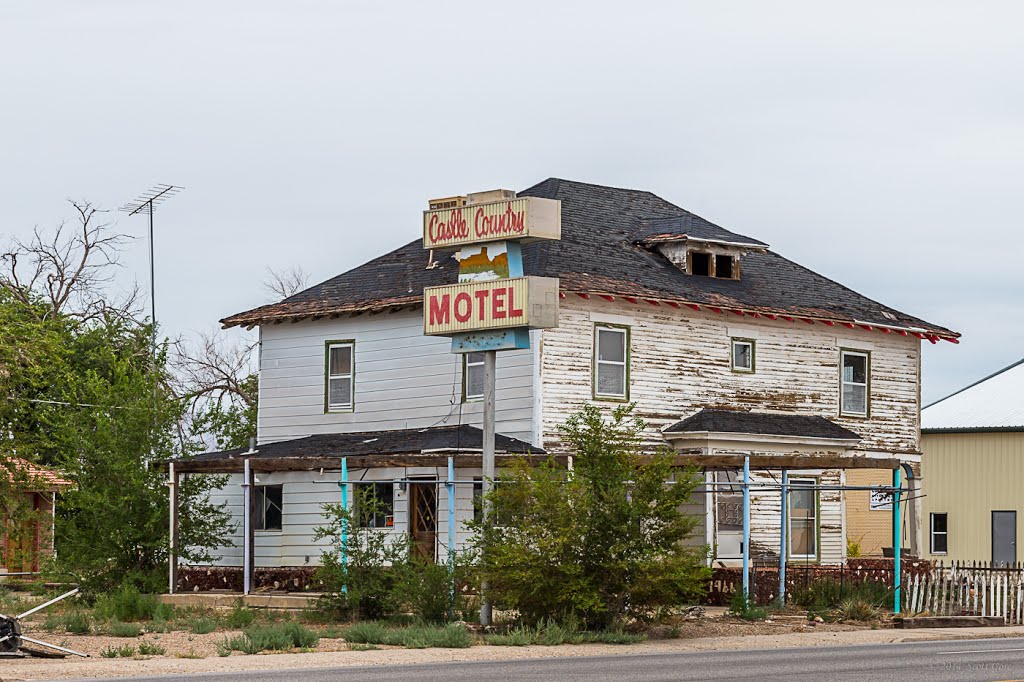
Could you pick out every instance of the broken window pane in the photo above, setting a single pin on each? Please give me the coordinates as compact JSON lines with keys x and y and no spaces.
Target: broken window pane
{"x":723,"y":266}
{"x":700,"y":263}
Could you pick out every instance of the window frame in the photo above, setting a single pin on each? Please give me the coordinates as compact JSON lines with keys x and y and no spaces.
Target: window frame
{"x":596,"y":362}
{"x":794,"y":483}
{"x":843,"y":412}
{"x":932,"y":533}
{"x":466,"y":364}
{"x":373,"y":522}
{"x":351,"y":406}
{"x":260,"y":493}
{"x":753,"y":355}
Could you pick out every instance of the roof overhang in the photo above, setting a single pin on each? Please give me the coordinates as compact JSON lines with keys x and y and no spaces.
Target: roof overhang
{"x":745,"y":439}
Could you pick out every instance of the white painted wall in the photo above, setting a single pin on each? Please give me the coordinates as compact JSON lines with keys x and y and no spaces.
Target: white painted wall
{"x":403,"y":380}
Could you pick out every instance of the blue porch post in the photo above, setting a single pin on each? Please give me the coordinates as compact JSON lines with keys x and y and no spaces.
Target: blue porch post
{"x":746,"y":526}
{"x":343,"y":484}
{"x":897,"y":542}
{"x":783,"y":534}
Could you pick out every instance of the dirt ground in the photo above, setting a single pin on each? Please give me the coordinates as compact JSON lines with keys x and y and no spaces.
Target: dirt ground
{"x":190,"y":654}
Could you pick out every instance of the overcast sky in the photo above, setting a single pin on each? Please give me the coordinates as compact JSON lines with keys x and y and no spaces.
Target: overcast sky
{"x":882,"y":146}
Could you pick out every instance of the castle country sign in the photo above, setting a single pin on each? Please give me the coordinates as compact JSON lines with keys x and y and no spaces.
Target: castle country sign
{"x":490,"y":305}
{"x":522,"y":219}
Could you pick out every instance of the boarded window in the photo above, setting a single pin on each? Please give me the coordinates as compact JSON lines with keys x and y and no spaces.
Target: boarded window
{"x":340,"y":376}
{"x":700,"y":263}
{"x":473,"y":376}
{"x":854,"y":390}
{"x":803,"y":519}
{"x":724,"y":266}
{"x":939,"y":533}
{"x":611,"y":367}
{"x":743,"y":355}
{"x":267,"y":511}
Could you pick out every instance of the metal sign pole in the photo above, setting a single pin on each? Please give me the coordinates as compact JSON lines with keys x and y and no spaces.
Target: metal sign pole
{"x":490,"y":381}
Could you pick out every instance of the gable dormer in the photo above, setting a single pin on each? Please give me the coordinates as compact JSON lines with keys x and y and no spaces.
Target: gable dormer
{"x":697,"y":247}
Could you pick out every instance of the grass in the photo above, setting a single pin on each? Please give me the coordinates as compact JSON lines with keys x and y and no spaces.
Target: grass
{"x":553,"y":634}
{"x":74,"y":623}
{"x":240,"y":617}
{"x":858,"y":610}
{"x":272,"y":637}
{"x":118,"y":629}
{"x":743,"y":607}
{"x":126,"y":651}
{"x":410,"y":637}
{"x":129,"y":605}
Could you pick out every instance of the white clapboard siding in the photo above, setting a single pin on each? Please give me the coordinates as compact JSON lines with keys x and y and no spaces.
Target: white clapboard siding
{"x":679,"y":363}
{"x":403,"y":380}
{"x":304,"y":495}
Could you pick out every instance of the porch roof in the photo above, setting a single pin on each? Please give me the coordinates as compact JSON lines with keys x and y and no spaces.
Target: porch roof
{"x":364,"y":449}
{"x":762,"y":424}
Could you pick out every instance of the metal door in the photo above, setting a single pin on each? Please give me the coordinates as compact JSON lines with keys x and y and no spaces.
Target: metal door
{"x":1004,"y":538}
{"x":423,"y":518}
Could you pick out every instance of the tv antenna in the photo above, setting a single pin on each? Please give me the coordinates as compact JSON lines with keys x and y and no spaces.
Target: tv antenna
{"x":147,"y":202}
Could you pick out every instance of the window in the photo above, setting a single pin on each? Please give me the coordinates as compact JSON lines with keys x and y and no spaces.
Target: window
{"x":500,"y":519}
{"x":700,"y":263}
{"x":803,"y":518}
{"x":375,"y":505}
{"x":340,"y":375}
{"x":472,"y":376}
{"x":854,"y":390}
{"x":724,"y":266}
{"x":611,"y":362}
{"x":939,"y":532}
{"x":742,"y":355}
{"x":267,"y":507}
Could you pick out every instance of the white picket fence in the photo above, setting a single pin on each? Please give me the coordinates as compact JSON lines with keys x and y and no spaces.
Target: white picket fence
{"x":974,"y":589}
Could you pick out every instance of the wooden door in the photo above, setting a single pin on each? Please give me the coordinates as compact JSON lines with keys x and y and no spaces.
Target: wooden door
{"x":423,"y":519}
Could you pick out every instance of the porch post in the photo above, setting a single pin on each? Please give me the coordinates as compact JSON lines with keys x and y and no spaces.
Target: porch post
{"x":783,"y":549}
{"x":746,"y":526}
{"x":897,"y":541}
{"x":172,"y":556}
{"x":343,"y":484}
{"x":450,"y":485}
{"x":247,"y":529}
{"x":490,"y":380}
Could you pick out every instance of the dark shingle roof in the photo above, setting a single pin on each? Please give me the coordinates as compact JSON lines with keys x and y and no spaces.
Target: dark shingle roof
{"x":599,"y":253}
{"x":761,"y":424}
{"x":363,"y":443}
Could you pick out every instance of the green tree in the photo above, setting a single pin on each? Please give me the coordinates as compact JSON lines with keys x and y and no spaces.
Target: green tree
{"x":601,"y":544}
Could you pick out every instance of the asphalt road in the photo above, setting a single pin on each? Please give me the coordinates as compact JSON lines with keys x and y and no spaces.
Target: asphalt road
{"x":963,"y":661}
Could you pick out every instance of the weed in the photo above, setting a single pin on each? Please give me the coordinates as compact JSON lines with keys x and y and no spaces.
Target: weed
{"x":240,"y":617}
{"x":363,"y":647}
{"x":148,"y":649}
{"x":274,"y":637}
{"x":411,"y":637}
{"x":857,"y":609}
{"x":191,"y":653}
{"x":109,"y":652}
{"x":74,"y":623}
{"x":364,"y":633}
{"x":128,"y":605}
{"x":743,"y":607}
{"x":551,"y":633}
{"x":118,"y":629}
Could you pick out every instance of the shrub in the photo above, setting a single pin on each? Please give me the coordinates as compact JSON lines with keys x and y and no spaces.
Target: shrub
{"x":553,"y":634}
{"x":202,"y":626}
{"x":425,"y":588}
{"x":827,"y":594}
{"x":857,"y":609}
{"x":741,"y":606}
{"x":605,"y":544}
{"x":240,"y":617}
{"x":74,"y":623}
{"x":365,"y":633}
{"x":126,"y":651}
{"x":148,"y":649}
{"x":127,"y":604}
{"x":273,"y":637}
{"x":118,"y":629}
{"x":412,"y":637}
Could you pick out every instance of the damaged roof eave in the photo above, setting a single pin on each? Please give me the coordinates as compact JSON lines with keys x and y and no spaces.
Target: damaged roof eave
{"x":763,"y":439}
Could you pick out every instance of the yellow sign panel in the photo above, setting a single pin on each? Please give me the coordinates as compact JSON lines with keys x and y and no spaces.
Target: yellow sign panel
{"x":523,"y":219}
{"x":494,"y":304}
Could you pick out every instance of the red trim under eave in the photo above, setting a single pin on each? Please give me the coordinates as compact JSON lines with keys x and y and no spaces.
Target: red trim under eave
{"x":694,"y":306}
{"x":951,"y":340}
{"x":652,"y":301}
{"x":672,"y":304}
{"x":738,"y":312}
{"x":630,"y":299}
{"x":582,"y":295}
{"x":715,"y":310}
{"x":807,"y":320}
{"x":787,"y":318}
{"x":607,"y":297}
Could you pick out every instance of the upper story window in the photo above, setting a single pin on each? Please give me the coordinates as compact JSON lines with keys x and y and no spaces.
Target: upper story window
{"x":719,"y":265}
{"x":743,"y":355}
{"x":267,"y":513}
{"x":472,"y":377}
{"x":854,"y":398}
{"x":611,"y":362}
{"x":340,"y":376}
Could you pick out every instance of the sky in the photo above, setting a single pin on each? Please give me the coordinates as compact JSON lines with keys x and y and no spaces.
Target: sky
{"x":879,"y":143}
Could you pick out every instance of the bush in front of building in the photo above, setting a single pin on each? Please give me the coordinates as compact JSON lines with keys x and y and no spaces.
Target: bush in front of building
{"x":602,"y":544}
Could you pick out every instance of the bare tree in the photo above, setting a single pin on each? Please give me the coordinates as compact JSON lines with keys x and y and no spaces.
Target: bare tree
{"x":213,"y":368}
{"x":284,"y":283}
{"x":68,"y":268}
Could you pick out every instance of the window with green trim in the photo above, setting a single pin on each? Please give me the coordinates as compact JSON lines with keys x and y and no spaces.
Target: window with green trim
{"x":472,"y":377}
{"x":803,"y":518}
{"x":611,"y":362}
{"x":340,"y":376}
{"x":855,"y":393}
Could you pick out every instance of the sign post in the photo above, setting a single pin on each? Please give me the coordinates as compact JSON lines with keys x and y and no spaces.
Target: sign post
{"x":494,"y":304}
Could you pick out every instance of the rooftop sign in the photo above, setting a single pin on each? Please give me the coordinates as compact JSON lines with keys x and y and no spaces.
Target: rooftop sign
{"x":488,"y":305}
{"x":522,"y":219}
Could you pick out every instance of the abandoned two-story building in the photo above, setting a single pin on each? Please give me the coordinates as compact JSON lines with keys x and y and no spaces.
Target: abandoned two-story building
{"x":728,"y":350}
